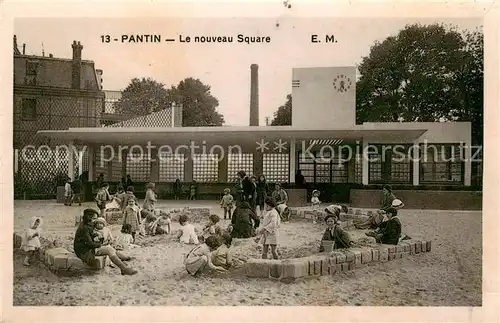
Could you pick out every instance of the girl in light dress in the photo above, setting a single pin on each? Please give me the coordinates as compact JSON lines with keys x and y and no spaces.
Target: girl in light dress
{"x":200,"y":257}
{"x":315,"y":202}
{"x":31,"y":239}
{"x":187,"y":233}
{"x":269,"y":231}
{"x":131,"y":216}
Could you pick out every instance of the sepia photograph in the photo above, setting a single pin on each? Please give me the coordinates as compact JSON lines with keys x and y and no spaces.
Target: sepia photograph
{"x":257,"y":161}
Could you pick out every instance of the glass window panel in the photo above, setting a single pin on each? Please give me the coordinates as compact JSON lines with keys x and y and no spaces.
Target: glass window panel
{"x":171,"y":167}
{"x":237,"y":162}
{"x":276,"y":168}
{"x":138,"y":167}
{"x":206,"y":168}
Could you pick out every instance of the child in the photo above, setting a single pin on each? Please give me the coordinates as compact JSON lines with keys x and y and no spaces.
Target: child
{"x":269,"y":230}
{"x":103,"y":197}
{"x":315,"y":204}
{"x":222,"y":256}
{"x":31,"y":239}
{"x":201,"y":256}
{"x":212,"y":228}
{"x":283,"y":211}
{"x":192,"y":191}
{"x":157,"y":225}
{"x":187,"y":232}
{"x":104,"y":232}
{"x":335,"y":233}
{"x":68,"y":193}
{"x":125,"y":241}
{"x":131,"y":216}
{"x":227,"y":203}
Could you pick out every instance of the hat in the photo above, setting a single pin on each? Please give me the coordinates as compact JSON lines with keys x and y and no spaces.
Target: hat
{"x":315,"y":192}
{"x":397,"y":203}
{"x":102,"y":220}
{"x":332,"y":209}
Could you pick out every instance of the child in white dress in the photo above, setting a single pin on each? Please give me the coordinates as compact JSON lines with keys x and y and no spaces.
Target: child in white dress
{"x":31,"y":239}
{"x":315,"y":203}
{"x":125,"y":241}
{"x":187,"y":232}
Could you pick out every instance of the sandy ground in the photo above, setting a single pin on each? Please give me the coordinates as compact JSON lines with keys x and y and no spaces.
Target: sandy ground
{"x":450,"y":275}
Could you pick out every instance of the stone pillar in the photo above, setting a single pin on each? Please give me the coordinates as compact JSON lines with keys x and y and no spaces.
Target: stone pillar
{"x":416,"y":163}
{"x":258,"y":163}
{"x":123,"y":156}
{"x":154,"y":175}
{"x":223,"y":168}
{"x":188,"y":167}
{"x":467,"y":163}
{"x":364,"y":162}
{"x":351,"y":167}
{"x":293,"y":160}
{"x":71,"y":161}
{"x":91,"y":153}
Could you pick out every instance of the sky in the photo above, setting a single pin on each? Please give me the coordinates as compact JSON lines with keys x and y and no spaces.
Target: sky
{"x":226,"y":66}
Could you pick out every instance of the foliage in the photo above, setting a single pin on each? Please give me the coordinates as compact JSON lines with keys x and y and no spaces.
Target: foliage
{"x":424,"y":74}
{"x":283,"y":116}
{"x":145,"y":96}
{"x":198,"y":104}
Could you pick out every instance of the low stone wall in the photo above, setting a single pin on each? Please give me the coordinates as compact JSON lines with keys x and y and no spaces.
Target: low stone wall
{"x":63,"y":262}
{"x":338,"y":261}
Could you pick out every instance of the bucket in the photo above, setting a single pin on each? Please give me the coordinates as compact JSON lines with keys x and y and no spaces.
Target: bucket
{"x":327,"y":245}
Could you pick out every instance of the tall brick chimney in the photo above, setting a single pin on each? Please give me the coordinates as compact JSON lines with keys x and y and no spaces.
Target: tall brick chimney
{"x":77,"y":65}
{"x":254,"y":95}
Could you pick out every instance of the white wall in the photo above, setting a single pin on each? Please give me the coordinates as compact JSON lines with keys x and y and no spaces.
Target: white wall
{"x":317,"y":103}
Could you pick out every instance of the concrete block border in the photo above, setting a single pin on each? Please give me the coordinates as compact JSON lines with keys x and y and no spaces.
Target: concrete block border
{"x":63,"y":262}
{"x":338,"y":261}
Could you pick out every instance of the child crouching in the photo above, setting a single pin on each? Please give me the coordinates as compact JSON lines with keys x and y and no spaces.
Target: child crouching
{"x":222,"y":256}
{"x":31,"y":239}
{"x":201,"y":256}
{"x":125,"y":241}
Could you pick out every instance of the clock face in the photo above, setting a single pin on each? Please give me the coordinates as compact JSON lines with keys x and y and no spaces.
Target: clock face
{"x":342,"y":83}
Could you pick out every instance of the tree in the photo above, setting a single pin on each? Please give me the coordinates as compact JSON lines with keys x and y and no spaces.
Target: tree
{"x":145,"y":96}
{"x":199,"y":105}
{"x":141,"y":97}
{"x":283,"y":116}
{"x":424,"y":74}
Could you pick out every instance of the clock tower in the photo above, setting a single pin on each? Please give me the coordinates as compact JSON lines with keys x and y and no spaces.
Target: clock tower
{"x":324,"y":97}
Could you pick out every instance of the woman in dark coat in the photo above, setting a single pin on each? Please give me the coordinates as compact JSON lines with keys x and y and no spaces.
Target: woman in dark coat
{"x":387,"y":197}
{"x":246,"y":188}
{"x":241,"y":221}
{"x":88,"y":244}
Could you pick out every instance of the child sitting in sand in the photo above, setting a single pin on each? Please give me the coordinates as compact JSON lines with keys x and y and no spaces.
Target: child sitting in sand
{"x":125,"y":241}
{"x":222,"y":256}
{"x":103,"y":232}
{"x":315,"y":202}
{"x":212,"y":228}
{"x":187,"y":232}
{"x":227,"y":203}
{"x":201,"y":256}
{"x":31,"y":239}
{"x":131,"y":216}
{"x":157,"y":224}
{"x":335,"y":233}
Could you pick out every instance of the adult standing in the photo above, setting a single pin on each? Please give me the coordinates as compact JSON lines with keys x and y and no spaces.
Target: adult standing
{"x":241,"y":221}
{"x":177,"y":189}
{"x":262,"y":191}
{"x":88,"y":245}
{"x":150,"y":199}
{"x":129,"y":181}
{"x":246,"y":187}
{"x":300,"y":181}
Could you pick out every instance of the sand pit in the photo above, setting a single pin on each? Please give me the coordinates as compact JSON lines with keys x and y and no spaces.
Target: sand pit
{"x":448,"y":276}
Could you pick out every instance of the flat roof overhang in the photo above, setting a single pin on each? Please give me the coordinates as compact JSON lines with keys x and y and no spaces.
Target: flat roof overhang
{"x":225,"y":136}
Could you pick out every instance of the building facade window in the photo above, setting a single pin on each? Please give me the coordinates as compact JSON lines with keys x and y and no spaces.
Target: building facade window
{"x":276,"y":167}
{"x":237,"y":162}
{"x":441,"y":163}
{"x":28,"y":109}
{"x":358,"y":168}
{"x":390,"y":164}
{"x":139,"y":167}
{"x":171,"y":167}
{"x":206,"y":168}
{"x":324,"y":167}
